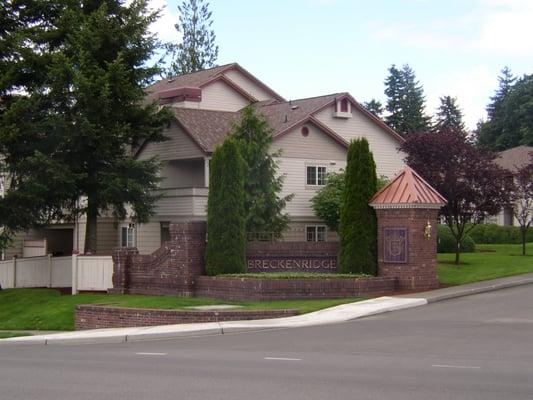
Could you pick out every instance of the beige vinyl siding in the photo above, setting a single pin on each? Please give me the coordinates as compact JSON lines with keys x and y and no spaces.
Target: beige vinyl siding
{"x":249,"y":86}
{"x":317,"y":145}
{"x":294,"y":171}
{"x":148,"y":237}
{"x":183,"y":174}
{"x":222,"y":97}
{"x":178,"y":146}
{"x":384,"y":147}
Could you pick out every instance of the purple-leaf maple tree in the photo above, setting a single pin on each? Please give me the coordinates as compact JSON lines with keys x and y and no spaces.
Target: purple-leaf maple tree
{"x":465,"y":175}
{"x":522,"y":197}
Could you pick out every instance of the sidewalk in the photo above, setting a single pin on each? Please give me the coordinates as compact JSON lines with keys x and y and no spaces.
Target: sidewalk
{"x":342,"y":313}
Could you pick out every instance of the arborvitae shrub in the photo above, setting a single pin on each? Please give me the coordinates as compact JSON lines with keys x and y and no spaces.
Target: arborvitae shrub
{"x":358,"y":227}
{"x":226,"y":232}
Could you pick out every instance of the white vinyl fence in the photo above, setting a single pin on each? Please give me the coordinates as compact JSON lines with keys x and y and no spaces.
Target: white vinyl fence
{"x":91,"y":273}
{"x":79,"y":272}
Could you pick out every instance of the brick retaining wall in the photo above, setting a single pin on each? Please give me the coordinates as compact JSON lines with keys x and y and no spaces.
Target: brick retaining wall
{"x":243,"y":289}
{"x":94,"y":316}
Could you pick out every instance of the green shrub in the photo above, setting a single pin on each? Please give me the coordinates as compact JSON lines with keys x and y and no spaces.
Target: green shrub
{"x":357,"y":230}
{"x":497,"y":234}
{"x":446,"y":241}
{"x":226,"y":229}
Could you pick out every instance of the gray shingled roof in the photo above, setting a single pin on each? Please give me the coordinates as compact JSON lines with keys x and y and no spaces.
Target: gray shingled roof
{"x":209,"y":128}
{"x":514,"y":158}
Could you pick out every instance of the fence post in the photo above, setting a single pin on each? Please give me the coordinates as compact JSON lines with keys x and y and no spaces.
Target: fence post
{"x":49,"y":270}
{"x":74,"y":274}
{"x":14,"y":271}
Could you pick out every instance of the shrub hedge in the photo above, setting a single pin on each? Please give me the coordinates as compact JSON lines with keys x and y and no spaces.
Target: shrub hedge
{"x":446,"y":241}
{"x":492,"y":234}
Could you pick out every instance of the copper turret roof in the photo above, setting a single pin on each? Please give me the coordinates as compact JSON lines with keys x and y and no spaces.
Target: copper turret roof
{"x":408,"y":188}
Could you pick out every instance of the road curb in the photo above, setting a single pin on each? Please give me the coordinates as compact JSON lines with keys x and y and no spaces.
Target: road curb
{"x":462,"y":292}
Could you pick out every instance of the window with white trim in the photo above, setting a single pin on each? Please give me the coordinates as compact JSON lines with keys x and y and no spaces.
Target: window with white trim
{"x":315,"y":233}
{"x":127,"y":236}
{"x":316,"y":175}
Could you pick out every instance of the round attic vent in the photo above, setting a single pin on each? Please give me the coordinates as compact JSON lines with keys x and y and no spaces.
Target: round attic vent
{"x":305,"y":131}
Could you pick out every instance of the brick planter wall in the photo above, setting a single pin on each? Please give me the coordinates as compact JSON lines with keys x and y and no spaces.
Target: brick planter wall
{"x":240,"y":289}
{"x":95,"y":317}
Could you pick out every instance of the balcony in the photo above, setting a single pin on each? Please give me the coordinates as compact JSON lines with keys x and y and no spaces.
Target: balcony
{"x":182,"y":202}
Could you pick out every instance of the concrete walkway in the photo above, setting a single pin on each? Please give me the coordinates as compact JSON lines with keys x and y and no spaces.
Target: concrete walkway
{"x":341,"y":313}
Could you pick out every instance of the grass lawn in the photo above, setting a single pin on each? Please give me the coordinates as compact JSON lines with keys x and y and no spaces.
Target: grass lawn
{"x":46,"y":309}
{"x":5,"y":335}
{"x":490,"y":261}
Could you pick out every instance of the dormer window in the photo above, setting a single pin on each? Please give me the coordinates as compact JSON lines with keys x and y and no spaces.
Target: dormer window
{"x":343,"y":108}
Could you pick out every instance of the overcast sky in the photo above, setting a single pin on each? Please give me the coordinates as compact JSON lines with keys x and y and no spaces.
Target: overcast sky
{"x":304,"y":48}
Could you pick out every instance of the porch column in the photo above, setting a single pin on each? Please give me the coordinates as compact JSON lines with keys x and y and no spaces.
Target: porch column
{"x":206,"y":171}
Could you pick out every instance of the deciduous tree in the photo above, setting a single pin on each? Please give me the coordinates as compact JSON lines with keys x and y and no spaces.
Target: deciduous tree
{"x":523,"y":198}
{"x":465,"y":175}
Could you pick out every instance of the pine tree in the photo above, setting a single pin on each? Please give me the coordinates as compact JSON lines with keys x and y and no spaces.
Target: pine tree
{"x":510,"y":123}
{"x":81,"y":113}
{"x":263,"y":205}
{"x":405,"y":101}
{"x":197,"y":50}
{"x":449,"y":116}
{"x":375,"y":107}
{"x":226,"y":240}
{"x":358,"y":227}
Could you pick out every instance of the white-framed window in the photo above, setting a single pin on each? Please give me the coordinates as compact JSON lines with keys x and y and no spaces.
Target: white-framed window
{"x":127,"y":236}
{"x":315,"y":233}
{"x":315,"y":175}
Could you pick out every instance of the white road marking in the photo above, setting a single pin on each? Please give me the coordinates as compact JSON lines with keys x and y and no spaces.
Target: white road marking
{"x":151,"y":354}
{"x":455,"y":366}
{"x":283,"y":359}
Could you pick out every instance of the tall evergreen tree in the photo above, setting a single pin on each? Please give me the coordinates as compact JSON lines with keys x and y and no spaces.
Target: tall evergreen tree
{"x":226,"y":229}
{"x":263,"y":186}
{"x":449,"y":116}
{"x":358,"y":227}
{"x":510,"y":121}
{"x":197,"y":50}
{"x":405,"y":101}
{"x":69,"y":137}
{"x":375,"y":107}
{"x":506,"y":80}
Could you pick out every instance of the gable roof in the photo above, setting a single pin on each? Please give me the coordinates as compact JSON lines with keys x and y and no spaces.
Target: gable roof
{"x":408,"y":188}
{"x":207,"y":128}
{"x":204,"y":77}
{"x":514,"y":158}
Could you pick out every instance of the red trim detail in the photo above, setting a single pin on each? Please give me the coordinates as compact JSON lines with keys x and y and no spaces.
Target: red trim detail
{"x":344,"y":105}
{"x":180,"y":94}
{"x":305,"y":131}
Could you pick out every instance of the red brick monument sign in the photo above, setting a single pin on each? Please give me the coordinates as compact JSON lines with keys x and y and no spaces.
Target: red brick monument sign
{"x":407,"y":210}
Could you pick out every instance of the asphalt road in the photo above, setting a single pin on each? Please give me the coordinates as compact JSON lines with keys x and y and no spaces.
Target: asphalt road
{"x":476,"y":347}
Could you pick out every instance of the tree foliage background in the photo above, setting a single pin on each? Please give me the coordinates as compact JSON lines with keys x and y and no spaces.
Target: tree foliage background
{"x":197,"y":50}
{"x":73,"y":86}
{"x":264,"y":204}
